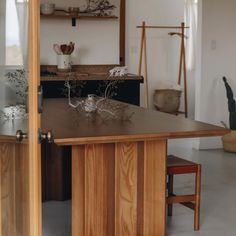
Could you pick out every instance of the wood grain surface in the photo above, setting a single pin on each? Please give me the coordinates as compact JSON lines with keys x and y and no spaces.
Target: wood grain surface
{"x":119,"y":189}
{"x":85,"y":72}
{"x":93,"y":190}
{"x":65,"y":16}
{"x":126,"y":188}
{"x":71,"y":127}
{"x":78,"y":190}
{"x":154,"y":188}
{"x":14,"y":189}
{"x":20,"y":163}
{"x":8,"y":190}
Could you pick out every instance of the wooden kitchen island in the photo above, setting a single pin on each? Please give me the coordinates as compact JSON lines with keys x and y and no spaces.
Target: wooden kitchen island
{"x":119,"y":167}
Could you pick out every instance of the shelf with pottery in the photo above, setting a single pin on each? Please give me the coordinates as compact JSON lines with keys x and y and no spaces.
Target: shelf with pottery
{"x":83,"y":72}
{"x":99,"y":12}
{"x":81,"y":17}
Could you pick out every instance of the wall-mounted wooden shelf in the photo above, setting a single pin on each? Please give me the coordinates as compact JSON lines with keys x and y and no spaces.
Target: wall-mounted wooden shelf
{"x":81,"y":17}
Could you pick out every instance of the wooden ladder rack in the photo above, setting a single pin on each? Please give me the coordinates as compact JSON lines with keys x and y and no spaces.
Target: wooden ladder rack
{"x":182,"y":64}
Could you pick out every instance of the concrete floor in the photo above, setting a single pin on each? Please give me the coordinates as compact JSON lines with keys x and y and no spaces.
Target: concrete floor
{"x":218,"y":210}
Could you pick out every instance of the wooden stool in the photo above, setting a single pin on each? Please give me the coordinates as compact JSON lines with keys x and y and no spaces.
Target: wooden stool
{"x":178,"y":166}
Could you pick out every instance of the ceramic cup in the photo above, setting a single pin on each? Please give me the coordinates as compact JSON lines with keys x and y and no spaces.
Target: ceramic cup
{"x":47,"y":8}
{"x":63,"y":62}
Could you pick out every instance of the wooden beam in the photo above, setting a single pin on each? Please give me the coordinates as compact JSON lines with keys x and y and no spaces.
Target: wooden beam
{"x":146,"y":71}
{"x":161,"y":27}
{"x":126,"y":188}
{"x":8,"y":191}
{"x":93,"y":190}
{"x":154,"y":188}
{"x":119,"y":189}
{"x":181,"y":199}
{"x":185,"y":71}
{"x":141,"y":51}
{"x":190,"y":205}
{"x":34,"y":152}
{"x":78,"y":186}
{"x":181,"y":60}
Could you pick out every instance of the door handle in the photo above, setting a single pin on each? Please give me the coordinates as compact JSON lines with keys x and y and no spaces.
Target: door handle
{"x":20,"y":136}
{"x":40,"y":99}
{"x":48,"y":136}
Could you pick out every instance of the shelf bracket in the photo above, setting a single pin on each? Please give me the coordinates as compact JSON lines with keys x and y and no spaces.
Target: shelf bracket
{"x":73,"y":21}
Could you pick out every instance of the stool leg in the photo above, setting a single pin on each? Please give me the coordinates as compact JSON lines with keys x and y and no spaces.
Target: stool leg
{"x":170,"y":193}
{"x":198,"y":198}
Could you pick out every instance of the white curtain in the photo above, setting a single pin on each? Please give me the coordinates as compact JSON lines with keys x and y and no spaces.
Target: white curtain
{"x":191,"y":19}
{"x":2,"y":32}
{"x":9,"y":40}
{"x":22,"y":13}
{"x":2,"y":52}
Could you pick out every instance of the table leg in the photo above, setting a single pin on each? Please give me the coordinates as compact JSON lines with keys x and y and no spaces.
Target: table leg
{"x":154,"y":188}
{"x":119,"y":189}
{"x":126,"y":188}
{"x":93,"y":190}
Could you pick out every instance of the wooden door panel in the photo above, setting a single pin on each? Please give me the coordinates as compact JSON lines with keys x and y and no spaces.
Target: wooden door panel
{"x":14,"y":189}
{"x":20,"y":169}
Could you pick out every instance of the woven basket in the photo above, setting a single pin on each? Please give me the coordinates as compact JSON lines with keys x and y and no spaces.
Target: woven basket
{"x":229,"y":142}
{"x":167,"y":100}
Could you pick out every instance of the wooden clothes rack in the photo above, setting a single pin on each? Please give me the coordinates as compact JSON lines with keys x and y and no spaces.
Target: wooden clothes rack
{"x":182,"y":64}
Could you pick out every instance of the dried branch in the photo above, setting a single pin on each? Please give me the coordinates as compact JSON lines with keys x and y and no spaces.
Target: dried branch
{"x":101,"y":6}
{"x":18,"y":79}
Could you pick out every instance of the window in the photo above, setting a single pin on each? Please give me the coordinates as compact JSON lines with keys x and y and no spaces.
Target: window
{"x":13,"y":50}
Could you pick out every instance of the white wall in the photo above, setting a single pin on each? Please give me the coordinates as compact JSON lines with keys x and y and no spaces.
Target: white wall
{"x":218,"y":60}
{"x":163,"y":50}
{"x":97,"y":42}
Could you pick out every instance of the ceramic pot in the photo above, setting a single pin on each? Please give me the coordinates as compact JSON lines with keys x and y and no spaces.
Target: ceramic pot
{"x":63,"y":62}
{"x":47,"y":8}
{"x":167,"y":100}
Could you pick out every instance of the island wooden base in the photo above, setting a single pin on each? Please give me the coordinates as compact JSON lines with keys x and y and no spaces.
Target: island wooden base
{"x":119,"y":189}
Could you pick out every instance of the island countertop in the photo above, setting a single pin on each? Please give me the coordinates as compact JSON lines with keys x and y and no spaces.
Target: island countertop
{"x":119,"y":165}
{"x":71,"y":127}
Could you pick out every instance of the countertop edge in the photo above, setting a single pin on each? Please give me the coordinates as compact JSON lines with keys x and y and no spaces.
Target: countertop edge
{"x":139,"y":137}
